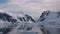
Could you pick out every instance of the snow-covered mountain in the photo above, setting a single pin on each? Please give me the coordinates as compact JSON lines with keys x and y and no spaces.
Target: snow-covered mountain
{"x":10,"y":24}
{"x":9,"y":18}
{"x":48,"y":23}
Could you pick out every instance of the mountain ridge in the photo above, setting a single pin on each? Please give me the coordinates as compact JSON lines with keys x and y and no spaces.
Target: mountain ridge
{"x":48,"y":21}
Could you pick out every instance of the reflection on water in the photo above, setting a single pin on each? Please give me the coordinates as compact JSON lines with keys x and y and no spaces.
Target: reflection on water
{"x":28,"y":33}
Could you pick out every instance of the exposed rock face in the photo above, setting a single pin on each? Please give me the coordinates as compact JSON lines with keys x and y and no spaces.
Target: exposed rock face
{"x":26,"y":18}
{"x":9,"y":18}
{"x":44,"y":14}
{"x":6,"y":17}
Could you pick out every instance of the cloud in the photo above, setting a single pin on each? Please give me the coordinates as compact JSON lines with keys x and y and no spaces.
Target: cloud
{"x":2,"y":10}
{"x":37,"y":5}
{"x":30,"y":6}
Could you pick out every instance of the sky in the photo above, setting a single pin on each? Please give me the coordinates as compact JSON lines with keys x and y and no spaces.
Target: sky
{"x":31,"y":7}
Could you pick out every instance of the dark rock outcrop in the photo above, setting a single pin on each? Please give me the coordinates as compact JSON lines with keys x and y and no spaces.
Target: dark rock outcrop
{"x":26,"y":18}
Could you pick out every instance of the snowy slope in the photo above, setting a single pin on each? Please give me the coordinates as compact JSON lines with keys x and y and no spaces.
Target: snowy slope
{"x":50,"y":21}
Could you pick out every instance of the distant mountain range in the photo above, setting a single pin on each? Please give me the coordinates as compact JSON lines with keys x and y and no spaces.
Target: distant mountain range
{"x":9,"y":18}
{"x":48,"y":23}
